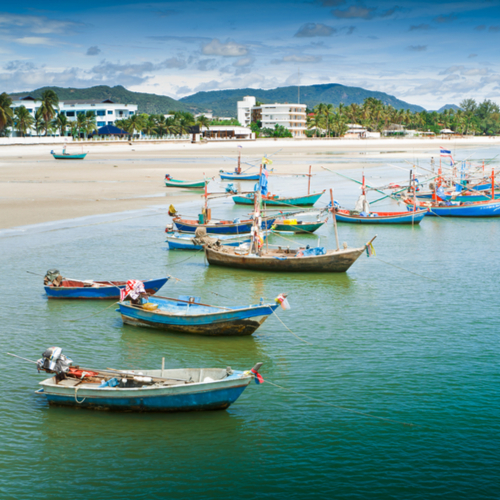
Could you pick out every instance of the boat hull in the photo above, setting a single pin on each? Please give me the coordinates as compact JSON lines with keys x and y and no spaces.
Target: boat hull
{"x":229,"y":228}
{"x":217,"y":395}
{"x":185,"y":242}
{"x":332,"y":262}
{"x":395,"y":218}
{"x":226,"y":322}
{"x":297,"y":228}
{"x":480,"y":209}
{"x":185,"y":184}
{"x":69,"y":157}
{"x":300,"y":201}
{"x":107,"y":292}
{"x":238,"y":177}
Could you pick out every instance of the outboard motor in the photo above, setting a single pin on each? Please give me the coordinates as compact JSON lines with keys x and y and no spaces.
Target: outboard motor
{"x":52,"y":277}
{"x":54,"y":360}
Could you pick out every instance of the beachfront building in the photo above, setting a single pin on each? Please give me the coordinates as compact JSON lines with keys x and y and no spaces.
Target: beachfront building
{"x":290,"y":116}
{"x":106,"y":111}
{"x":226,"y":132}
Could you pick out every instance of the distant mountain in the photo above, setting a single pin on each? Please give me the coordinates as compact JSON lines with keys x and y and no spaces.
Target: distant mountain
{"x":448,"y":106}
{"x":223,"y":102}
{"x":147,"y":103}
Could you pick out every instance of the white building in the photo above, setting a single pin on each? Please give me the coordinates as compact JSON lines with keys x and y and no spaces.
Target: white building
{"x":106,"y":112}
{"x":291,"y":116}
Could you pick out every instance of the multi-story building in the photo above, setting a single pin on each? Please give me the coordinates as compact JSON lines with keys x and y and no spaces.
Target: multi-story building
{"x":106,"y":112}
{"x":291,"y":116}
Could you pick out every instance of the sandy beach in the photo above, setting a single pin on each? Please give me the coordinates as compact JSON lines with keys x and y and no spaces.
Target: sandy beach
{"x":115,"y":177}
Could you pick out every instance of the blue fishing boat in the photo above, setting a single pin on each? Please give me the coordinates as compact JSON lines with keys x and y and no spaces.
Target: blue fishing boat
{"x":307,"y":200}
{"x":413,"y":217}
{"x":68,"y":156}
{"x":171,"y":390}
{"x":220,"y":226}
{"x":57,"y":287}
{"x":186,"y":241}
{"x":234,"y":176}
{"x":188,"y":315}
{"x":489,"y":208}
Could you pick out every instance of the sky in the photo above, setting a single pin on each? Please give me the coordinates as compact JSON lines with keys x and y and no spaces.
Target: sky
{"x":422,"y":52}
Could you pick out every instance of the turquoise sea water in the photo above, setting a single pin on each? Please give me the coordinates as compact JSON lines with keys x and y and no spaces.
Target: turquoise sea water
{"x":415,"y":349}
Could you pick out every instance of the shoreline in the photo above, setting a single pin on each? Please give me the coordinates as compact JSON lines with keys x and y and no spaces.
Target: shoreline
{"x":119,"y":177}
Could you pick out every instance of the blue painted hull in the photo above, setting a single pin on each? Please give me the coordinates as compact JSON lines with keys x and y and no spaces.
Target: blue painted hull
{"x":231,"y":228}
{"x":69,"y":157}
{"x":404,"y":218}
{"x":474,"y":210}
{"x":238,"y":177}
{"x":219,"y":399}
{"x":185,"y":242}
{"x":105,"y":292}
{"x":300,"y":201}
{"x":197,"y":319}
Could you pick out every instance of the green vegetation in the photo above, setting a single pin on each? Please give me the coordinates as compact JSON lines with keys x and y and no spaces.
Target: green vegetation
{"x":6,"y":112}
{"x":47,"y":109}
{"x":470,"y":118}
{"x":158,"y":125}
{"x":23,"y":120}
{"x":233,"y":122}
{"x":277,"y":131}
{"x":223,"y":102}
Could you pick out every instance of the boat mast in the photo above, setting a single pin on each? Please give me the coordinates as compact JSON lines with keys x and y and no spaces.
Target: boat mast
{"x":492,"y":183}
{"x":309,"y":183}
{"x":239,"y":163}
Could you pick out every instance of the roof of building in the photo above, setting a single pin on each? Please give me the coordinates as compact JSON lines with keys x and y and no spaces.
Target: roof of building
{"x":22,"y":98}
{"x":110,"y":130}
{"x":87,"y":101}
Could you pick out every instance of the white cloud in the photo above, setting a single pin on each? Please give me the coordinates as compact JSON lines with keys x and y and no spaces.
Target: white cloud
{"x":40,"y":25}
{"x":35,"y":40}
{"x":294,"y":58}
{"x":228,"y":49}
{"x":309,"y":30}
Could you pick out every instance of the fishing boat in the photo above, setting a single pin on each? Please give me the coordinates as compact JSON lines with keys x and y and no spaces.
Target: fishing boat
{"x":161,"y":390}
{"x":57,"y":287}
{"x":296,"y":226}
{"x":307,"y":200}
{"x":235,"y":176}
{"x":409,"y":217}
{"x":236,"y":226}
{"x":169,"y":182}
{"x":187,"y":315}
{"x":445,"y":208}
{"x":489,"y":208}
{"x":68,"y":156}
{"x":188,"y":241}
{"x":301,"y":259}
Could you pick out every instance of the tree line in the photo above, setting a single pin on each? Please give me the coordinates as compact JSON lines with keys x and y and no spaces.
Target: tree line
{"x":48,"y":120}
{"x":472,"y":118}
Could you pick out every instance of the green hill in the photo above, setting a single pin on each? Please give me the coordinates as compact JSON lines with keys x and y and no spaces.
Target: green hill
{"x":223,"y":102}
{"x":147,"y":103}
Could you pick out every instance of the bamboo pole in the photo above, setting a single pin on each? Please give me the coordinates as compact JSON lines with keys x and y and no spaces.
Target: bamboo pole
{"x":334,"y":220}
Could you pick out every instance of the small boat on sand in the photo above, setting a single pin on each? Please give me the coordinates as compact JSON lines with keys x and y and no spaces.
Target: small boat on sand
{"x":235,"y":176}
{"x":68,"y":156}
{"x":189,"y":241}
{"x":57,"y":287}
{"x":187,"y":315}
{"x":169,"y":182}
{"x":171,"y":390}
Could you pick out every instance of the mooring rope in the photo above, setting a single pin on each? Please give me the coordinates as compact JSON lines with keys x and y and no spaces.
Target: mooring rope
{"x":403,"y":269}
{"x":341,"y":407}
{"x":295,"y":335}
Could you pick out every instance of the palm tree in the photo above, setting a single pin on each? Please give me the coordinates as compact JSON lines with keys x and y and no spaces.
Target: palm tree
{"x":23,"y":120}
{"x":80,"y":123}
{"x":184,"y":122}
{"x":203,"y":121}
{"x":315,"y":122}
{"x":60,"y":122}
{"x":134,"y":123}
{"x":89,"y":122}
{"x":49,"y":103}
{"x":39,"y":122}
{"x":5,"y":111}
{"x":151,"y":124}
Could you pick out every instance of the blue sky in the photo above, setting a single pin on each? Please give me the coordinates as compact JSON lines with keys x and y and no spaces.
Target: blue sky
{"x":422,"y":52}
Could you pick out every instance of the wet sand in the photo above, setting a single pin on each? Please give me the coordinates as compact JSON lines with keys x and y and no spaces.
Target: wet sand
{"x":115,"y":177}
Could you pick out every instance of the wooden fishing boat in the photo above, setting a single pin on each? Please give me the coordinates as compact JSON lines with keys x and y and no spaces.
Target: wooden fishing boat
{"x":284,"y":259}
{"x":188,"y":315}
{"x":220,"y":226}
{"x":90,"y":289}
{"x":169,"y":182}
{"x":297,"y":227}
{"x":171,"y":390}
{"x":409,"y":217}
{"x":307,"y":200}
{"x":234,"y":176}
{"x":68,"y":156}
{"x":187,"y":241}
{"x":489,"y":208}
